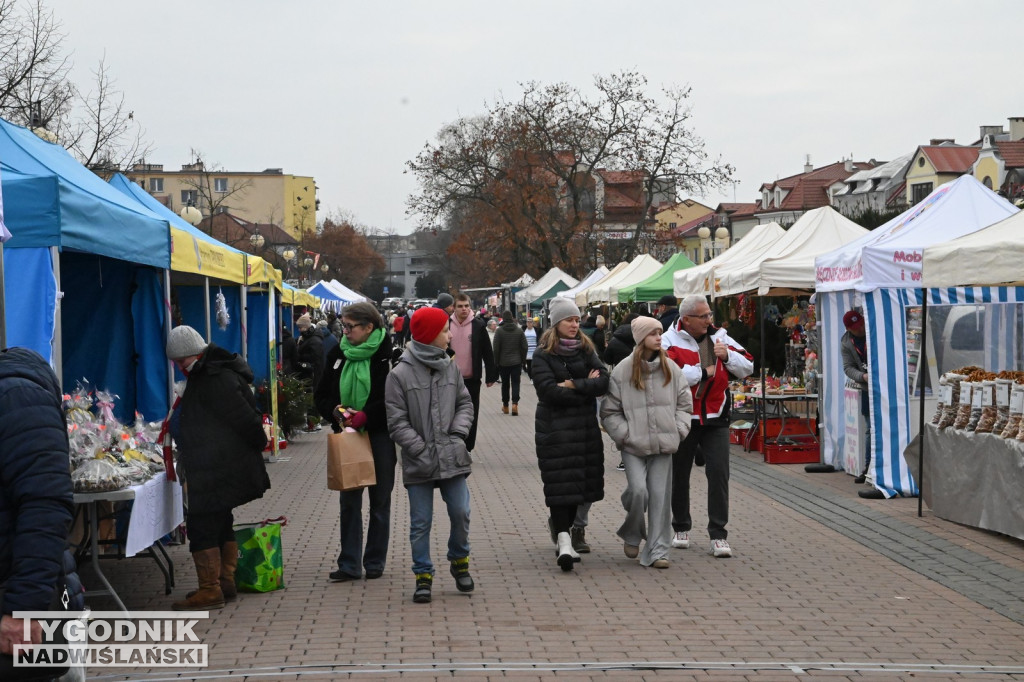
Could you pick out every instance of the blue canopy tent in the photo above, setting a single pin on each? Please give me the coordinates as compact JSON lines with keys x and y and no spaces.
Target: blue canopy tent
{"x":330,"y":300}
{"x":73,"y":233}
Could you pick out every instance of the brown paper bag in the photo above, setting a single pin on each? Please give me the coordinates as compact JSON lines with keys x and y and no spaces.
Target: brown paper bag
{"x":349,"y":461}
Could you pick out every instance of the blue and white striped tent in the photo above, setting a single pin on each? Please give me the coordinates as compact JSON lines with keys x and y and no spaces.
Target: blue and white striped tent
{"x":879,"y":272}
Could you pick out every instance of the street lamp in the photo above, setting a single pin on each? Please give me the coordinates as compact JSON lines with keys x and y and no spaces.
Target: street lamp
{"x":721,"y":239}
{"x":191,"y":214}
{"x":257,"y":240}
{"x":705,"y":243}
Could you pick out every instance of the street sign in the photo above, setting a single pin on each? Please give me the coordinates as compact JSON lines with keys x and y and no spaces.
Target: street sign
{"x":385,"y":290}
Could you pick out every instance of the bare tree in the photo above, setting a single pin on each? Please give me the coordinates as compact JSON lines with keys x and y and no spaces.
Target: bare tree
{"x":34,"y":86}
{"x":213,"y":188}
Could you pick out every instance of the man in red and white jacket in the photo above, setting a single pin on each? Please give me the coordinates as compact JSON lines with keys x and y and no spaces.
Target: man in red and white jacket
{"x":708,"y":356}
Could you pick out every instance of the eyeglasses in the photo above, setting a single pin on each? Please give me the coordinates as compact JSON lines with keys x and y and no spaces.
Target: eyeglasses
{"x":705,"y":316}
{"x":349,"y":327}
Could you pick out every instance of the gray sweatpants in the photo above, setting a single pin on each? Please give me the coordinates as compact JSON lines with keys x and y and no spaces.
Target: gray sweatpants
{"x":648,"y":493}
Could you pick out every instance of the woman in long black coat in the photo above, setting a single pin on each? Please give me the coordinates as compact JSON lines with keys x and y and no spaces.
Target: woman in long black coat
{"x":569,"y":377}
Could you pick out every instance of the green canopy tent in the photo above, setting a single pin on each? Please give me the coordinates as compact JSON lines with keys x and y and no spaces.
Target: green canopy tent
{"x":658,"y":284}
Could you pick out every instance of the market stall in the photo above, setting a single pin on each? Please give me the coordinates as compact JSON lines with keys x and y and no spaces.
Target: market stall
{"x":700,"y":278}
{"x":659,"y":284}
{"x":607,"y":290}
{"x":596,"y":275}
{"x":580,"y":295}
{"x":90,"y":267}
{"x":882,"y":272}
{"x":550,"y":284}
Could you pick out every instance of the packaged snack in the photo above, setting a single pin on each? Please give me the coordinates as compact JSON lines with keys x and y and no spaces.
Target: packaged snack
{"x":987,"y":418}
{"x":97,"y":476}
{"x":1003,"y":387}
{"x":940,"y":407}
{"x":963,"y":410}
{"x":952,"y":401}
{"x":1016,"y":412}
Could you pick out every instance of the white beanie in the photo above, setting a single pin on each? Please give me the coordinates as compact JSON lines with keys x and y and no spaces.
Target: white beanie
{"x":642,"y":327}
{"x":561,"y":308}
{"x":183,"y":342}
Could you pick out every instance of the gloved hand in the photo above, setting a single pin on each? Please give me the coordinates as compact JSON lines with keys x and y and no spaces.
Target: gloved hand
{"x":358,"y":420}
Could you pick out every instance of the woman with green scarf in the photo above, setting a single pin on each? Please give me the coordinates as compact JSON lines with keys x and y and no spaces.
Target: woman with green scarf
{"x":354,"y":375}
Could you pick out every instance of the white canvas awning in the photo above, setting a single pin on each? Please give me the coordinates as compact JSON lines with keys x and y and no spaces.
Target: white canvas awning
{"x":543,"y":285}
{"x":697,"y":280}
{"x":594,"y":277}
{"x":637,"y":270}
{"x":991,"y":256}
{"x":581,"y":295}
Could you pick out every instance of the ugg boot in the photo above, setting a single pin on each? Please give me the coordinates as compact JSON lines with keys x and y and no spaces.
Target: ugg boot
{"x":579,"y":539}
{"x":567,"y":556}
{"x":209,"y":595}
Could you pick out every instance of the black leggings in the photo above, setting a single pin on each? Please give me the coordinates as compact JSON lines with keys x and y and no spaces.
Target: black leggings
{"x":562,"y":517}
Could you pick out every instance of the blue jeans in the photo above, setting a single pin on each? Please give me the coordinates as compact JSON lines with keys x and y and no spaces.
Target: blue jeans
{"x":455,"y":494}
{"x":378,"y":533}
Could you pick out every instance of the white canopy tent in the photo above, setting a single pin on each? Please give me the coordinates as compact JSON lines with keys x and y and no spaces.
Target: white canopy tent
{"x":581,"y":295}
{"x":789,"y":263}
{"x":637,"y":270}
{"x":993,"y":256}
{"x":883,"y":270}
{"x":551,"y":278}
{"x":697,"y":280}
{"x":594,"y":277}
{"x":343,"y":292}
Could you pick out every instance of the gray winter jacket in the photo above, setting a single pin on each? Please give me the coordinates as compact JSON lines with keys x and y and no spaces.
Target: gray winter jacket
{"x":430,"y":413}
{"x":653,"y":421}
{"x":853,"y":366}
{"x":509,"y":345}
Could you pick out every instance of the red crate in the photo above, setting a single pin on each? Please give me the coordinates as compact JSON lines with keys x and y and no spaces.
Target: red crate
{"x":792,"y":453}
{"x":794,"y":427}
{"x":738,"y":436}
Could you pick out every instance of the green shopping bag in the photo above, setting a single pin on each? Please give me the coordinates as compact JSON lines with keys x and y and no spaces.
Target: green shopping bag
{"x":260,"y":558}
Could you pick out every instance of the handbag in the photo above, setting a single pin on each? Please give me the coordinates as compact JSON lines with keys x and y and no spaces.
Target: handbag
{"x":260,"y":557}
{"x":349,"y":461}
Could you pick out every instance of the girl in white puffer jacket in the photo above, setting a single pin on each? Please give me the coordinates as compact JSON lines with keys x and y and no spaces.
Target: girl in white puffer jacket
{"x":647,"y":413}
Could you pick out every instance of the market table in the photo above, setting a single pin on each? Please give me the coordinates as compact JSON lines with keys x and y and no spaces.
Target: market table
{"x":975,"y":479}
{"x":795,"y":442}
{"x":157,"y":510}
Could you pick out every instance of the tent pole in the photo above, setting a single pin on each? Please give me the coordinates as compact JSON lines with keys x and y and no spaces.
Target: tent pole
{"x":58,"y":331}
{"x":245,"y":312}
{"x":168,"y":322}
{"x":764,"y":391}
{"x":922,"y":364}
{"x":3,"y":315}
{"x":206,"y":308}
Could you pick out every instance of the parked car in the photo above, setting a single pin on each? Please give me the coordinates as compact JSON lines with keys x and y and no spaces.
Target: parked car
{"x":392,"y":303}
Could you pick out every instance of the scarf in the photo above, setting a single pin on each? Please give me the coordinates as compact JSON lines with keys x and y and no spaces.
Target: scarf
{"x":354,"y":384}
{"x":431,"y":356}
{"x":568,"y":346}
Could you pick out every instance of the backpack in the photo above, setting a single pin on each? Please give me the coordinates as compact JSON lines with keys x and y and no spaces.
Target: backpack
{"x":399,"y":323}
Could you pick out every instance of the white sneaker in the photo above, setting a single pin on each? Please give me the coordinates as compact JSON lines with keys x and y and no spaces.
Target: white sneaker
{"x":721,"y":549}
{"x":681,"y":540}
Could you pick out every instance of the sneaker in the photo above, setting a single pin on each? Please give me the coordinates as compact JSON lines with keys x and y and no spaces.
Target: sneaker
{"x":423,"y":584}
{"x":341,"y":576}
{"x":621,"y":466}
{"x":632,"y":551}
{"x":721,"y":549}
{"x":660,"y":563}
{"x":579,"y":539}
{"x":681,"y":540}
{"x":460,"y":571}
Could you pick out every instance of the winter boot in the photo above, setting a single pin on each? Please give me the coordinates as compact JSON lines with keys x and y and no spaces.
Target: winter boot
{"x":579,"y":539}
{"x":567,"y":556}
{"x":460,"y":571}
{"x":424,"y":581}
{"x":209,"y":595}
{"x":228,"y":563}
{"x":504,"y":409}
{"x":515,"y":409}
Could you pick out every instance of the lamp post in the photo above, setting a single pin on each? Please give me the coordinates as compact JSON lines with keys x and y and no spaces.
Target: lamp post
{"x":257,"y":240}
{"x":324,"y":269}
{"x":191,"y":214}
{"x":308,"y":262}
{"x":705,"y":243}
{"x":721,"y":240}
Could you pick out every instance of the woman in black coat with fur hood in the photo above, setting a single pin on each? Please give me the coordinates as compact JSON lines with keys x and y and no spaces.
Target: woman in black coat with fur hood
{"x":569,"y":377}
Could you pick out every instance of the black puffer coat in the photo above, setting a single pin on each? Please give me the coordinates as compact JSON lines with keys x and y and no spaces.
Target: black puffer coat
{"x":309,"y":356}
{"x":220,"y":434}
{"x":620,"y":346}
{"x":327,"y":395}
{"x":570,"y":451}
{"x":35,"y":484}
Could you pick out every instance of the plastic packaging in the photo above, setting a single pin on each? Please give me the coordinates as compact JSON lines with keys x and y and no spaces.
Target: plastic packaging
{"x":987,"y":418}
{"x":953,"y":382}
{"x":98,"y":476}
{"x":1016,"y":412}
{"x":1003,"y":387}
{"x":941,"y":406}
{"x":963,"y":410}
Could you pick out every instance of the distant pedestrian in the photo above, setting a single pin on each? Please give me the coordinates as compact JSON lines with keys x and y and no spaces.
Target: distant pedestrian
{"x":621,"y":344}
{"x":473,"y":355}
{"x":569,"y":377}
{"x":430,"y":414}
{"x":509,"y":354}
{"x":647,"y":413}
{"x":599,"y":335}
{"x":446,"y":302}
{"x":667,"y":311}
{"x":492,"y":327}
{"x":531,"y":344}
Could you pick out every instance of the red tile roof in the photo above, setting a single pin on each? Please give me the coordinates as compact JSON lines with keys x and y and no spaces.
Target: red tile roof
{"x":950,"y":159}
{"x":809,"y":190}
{"x":690,"y":228}
{"x":1012,"y":153}
{"x":621,"y":177}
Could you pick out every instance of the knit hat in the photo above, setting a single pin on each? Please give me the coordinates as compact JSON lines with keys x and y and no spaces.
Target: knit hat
{"x":183,"y":342}
{"x":444,"y":301}
{"x":853,"y":320}
{"x":427,"y":323}
{"x":304,"y":323}
{"x":561,"y":308}
{"x":669,"y":300}
{"x":642,"y":326}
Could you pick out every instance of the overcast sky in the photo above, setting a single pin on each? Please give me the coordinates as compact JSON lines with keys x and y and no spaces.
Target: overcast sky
{"x":348,"y":92}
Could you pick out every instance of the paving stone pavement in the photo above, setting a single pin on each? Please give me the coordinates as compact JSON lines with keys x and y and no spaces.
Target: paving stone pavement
{"x":821,"y":583}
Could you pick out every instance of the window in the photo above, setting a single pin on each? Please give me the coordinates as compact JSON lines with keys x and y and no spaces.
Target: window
{"x":156,"y":185}
{"x":189,"y":196}
{"x":220,"y":185}
{"x":222,"y":209}
{"x":920,"y":191}
{"x":920,"y":162}
{"x":987,"y":181}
